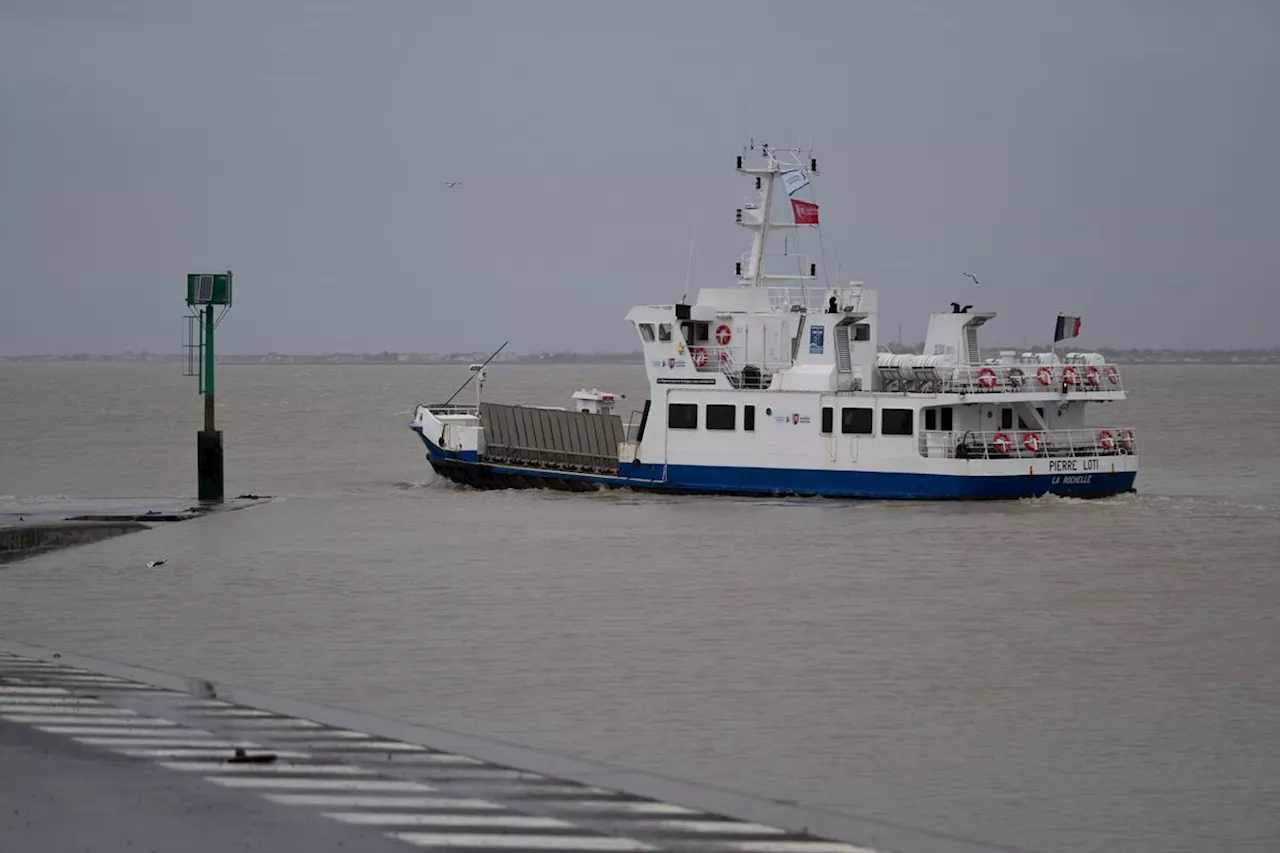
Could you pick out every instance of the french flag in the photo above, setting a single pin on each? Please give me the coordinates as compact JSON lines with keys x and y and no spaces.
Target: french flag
{"x":1068,"y":327}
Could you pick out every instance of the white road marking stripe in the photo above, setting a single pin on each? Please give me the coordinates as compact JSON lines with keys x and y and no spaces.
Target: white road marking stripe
{"x":354,"y":801}
{"x":235,"y":712}
{"x":268,"y":769}
{"x":280,"y":722}
{"x":459,"y":820}
{"x":543,"y":842}
{"x":66,"y":712}
{"x":110,"y":736}
{"x":373,"y":746}
{"x":627,"y":807}
{"x":204,"y":703}
{"x":482,"y":774}
{"x":92,"y":679}
{"x":20,"y":666}
{"x":311,"y":735}
{"x":35,"y":690}
{"x":195,"y":753}
{"x":725,"y":827}
{"x":514,"y":789}
{"x":320,"y":784}
{"x":419,"y":758}
{"x":796,"y":847}
{"x":166,"y":743}
{"x":51,"y":701}
{"x":87,"y":721}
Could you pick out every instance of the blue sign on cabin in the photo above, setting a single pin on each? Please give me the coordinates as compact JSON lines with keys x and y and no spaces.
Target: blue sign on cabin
{"x":816,"y":335}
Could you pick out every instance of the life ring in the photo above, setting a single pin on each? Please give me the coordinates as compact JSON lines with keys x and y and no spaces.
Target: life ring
{"x":1106,"y":440}
{"x":1017,"y":377}
{"x":1031,"y":441}
{"x":723,"y":335}
{"x":1113,"y":374}
{"x":698,"y":355}
{"x":1092,"y":376}
{"x":1070,"y":375}
{"x":1127,"y":439}
{"x":987,"y":378}
{"x":1000,"y":441}
{"x":1044,"y":375}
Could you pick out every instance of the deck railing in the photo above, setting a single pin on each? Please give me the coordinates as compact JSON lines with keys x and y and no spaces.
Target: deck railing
{"x":1029,"y":443}
{"x":1003,"y":378}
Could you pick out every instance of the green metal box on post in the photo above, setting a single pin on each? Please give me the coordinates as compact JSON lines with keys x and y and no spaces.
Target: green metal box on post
{"x":204,"y":291}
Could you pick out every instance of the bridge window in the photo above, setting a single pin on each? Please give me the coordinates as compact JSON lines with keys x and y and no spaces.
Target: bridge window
{"x":862,"y":332}
{"x":896,"y":421}
{"x":948,"y":419}
{"x":930,"y":418}
{"x":721,"y":416}
{"x":1006,"y":418}
{"x":827,"y":419}
{"x":646,"y":331}
{"x":682,"y":415}
{"x":749,"y":418}
{"x":664,"y":331}
{"x":855,"y":421}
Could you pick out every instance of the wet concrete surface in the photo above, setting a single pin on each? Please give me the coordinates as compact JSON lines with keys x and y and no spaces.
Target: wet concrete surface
{"x":57,"y":796}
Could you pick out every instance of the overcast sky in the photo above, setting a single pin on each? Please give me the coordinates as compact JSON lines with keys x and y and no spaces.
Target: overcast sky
{"x":1107,"y":159}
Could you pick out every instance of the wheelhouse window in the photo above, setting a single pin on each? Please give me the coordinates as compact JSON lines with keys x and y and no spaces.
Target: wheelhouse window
{"x":948,"y":419}
{"x":682,"y":415}
{"x":930,"y":418}
{"x":664,"y":331}
{"x":646,"y":331}
{"x":696,"y":331}
{"x":855,"y":421}
{"x":749,"y":418}
{"x":721,"y":416}
{"x":1006,"y":418}
{"x":828,"y":418}
{"x":896,"y":421}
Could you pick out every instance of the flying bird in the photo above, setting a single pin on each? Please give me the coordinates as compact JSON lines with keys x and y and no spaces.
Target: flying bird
{"x":451,"y":184}
{"x":153,"y":563}
{"x":955,"y":307}
{"x":965,"y":309}
{"x":975,"y":278}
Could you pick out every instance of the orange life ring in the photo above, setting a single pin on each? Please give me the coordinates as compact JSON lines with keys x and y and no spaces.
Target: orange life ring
{"x":987,"y":377}
{"x":1092,"y":376}
{"x":698,"y":355}
{"x":723,"y":335}
{"x":1113,"y":374}
{"x":1017,"y":377}
{"x":1106,"y":440}
{"x":1031,"y":441}
{"x":1000,"y":441}
{"x":1127,"y":439}
{"x":1070,"y":375}
{"x":1044,"y":375}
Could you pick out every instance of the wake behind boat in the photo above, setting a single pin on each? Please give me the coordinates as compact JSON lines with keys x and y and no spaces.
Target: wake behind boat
{"x":776,"y":386}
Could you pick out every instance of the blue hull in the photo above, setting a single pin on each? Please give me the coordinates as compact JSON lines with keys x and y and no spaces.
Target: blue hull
{"x":469,"y":470}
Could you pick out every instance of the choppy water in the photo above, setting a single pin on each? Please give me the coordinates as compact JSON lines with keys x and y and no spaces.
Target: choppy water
{"x":1053,"y":675}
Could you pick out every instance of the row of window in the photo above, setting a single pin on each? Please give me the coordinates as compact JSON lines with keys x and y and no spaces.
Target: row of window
{"x":854,"y":420}
{"x":694,"y":331}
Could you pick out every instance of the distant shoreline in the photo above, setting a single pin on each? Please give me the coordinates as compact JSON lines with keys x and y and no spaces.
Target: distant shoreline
{"x":1137,"y":356}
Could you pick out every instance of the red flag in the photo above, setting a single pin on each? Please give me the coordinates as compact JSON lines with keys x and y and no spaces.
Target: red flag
{"x":806,"y":212}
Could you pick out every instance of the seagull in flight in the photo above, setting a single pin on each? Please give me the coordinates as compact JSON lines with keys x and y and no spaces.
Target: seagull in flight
{"x":451,"y":184}
{"x":975,"y":278}
{"x":154,"y":563}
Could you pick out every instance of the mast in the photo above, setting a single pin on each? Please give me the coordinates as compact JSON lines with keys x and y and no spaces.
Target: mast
{"x":776,"y":162}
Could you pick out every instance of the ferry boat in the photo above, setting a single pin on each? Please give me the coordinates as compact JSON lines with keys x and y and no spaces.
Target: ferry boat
{"x":777,"y":385}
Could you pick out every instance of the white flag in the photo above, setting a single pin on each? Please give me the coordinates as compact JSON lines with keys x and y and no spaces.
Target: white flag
{"x":794,"y":180}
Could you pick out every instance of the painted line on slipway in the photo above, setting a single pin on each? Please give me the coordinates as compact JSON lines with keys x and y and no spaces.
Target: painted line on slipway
{"x":420,"y":785}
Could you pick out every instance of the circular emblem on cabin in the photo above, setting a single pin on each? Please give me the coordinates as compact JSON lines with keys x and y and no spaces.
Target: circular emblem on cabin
{"x":723,"y":335}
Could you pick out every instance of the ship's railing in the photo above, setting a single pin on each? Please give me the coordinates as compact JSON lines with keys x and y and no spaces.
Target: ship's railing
{"x":1002,"y":378}
{"x":451,"y":409}
{"x":1029,"y":443}
{"x":812,"y":300}
{"x":748,"y":374}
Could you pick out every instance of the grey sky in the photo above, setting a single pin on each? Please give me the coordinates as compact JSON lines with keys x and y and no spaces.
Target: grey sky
{"x":1116,"y":161}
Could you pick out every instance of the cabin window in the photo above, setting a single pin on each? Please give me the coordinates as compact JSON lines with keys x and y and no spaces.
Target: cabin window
{"x":1022,"y":424}
{"x":682,"y":415}
{"x":948,"y":419}
{"x":896,"y":421}
{"x":1006,"y":418}
{"x":721,"y":416}
{"x":828,"y":418}
{"x":646,"y":331}
{"x":855,"y":421}
{"x":664,"y":331}
{"x":930,"y":418}
{"x":862,"y":332}
{"x":749,"y":418}
{"x":701,"y":333}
